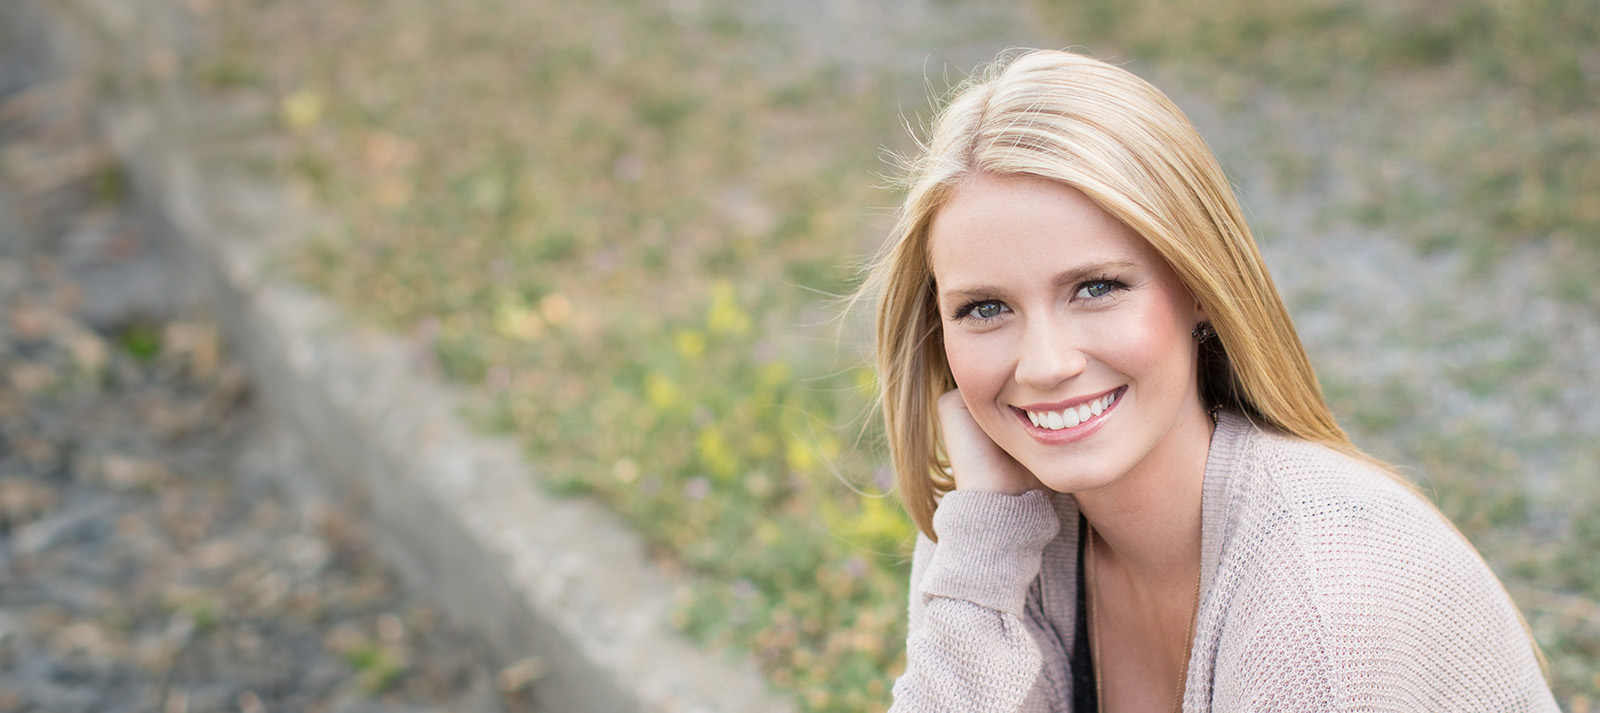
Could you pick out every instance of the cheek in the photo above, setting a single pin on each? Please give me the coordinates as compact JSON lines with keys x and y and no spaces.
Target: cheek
{"x":960,"y":356}
{"x":974,"y":367}
{"x":1145,"y":345}
{"x":1154,"y":347}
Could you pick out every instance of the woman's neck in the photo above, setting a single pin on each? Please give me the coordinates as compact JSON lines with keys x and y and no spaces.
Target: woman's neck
{"x":1149,"y":520}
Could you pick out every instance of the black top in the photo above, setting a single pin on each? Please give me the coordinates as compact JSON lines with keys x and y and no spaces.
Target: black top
{"x":1085,"y":697}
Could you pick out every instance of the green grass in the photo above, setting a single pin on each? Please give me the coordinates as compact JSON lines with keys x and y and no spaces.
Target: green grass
{"x":627,"y":243}
{"x":624,"y":230}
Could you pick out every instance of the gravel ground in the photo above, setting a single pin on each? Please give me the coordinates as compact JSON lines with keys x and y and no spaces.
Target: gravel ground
{"x":149,"y":559}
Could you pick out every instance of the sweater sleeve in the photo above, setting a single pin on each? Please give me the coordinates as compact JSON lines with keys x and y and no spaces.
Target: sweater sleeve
{"x":968,"y":648}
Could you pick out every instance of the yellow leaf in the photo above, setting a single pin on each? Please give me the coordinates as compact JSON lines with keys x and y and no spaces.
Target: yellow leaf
{"x":712,"y":447}
{"x":866,"y":381}
{"x":725,"y":316}
{"x":514,"y":320}
{"x":775,"y":374}
{"x":799,"y":455}
{"x":661,"y":392}
{"x":691,"y":344}
{"x":301,"y":109}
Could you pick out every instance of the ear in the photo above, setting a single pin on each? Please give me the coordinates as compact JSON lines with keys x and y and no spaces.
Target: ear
{"x":1200,"y":314}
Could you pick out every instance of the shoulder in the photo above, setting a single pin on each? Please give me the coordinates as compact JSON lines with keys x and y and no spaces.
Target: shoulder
{"x":1350,"y":521}
{"x":1368,"y":579}
{"x":1323,"y":491}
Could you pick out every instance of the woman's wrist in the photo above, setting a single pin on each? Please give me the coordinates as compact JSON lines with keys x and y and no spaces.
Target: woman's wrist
{"x":990,"y":546}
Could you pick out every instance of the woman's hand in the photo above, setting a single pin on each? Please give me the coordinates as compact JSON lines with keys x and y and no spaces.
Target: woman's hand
{"x":979,"y":463}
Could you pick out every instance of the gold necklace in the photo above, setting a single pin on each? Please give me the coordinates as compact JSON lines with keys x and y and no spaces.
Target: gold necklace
{"x":1094,"y":629}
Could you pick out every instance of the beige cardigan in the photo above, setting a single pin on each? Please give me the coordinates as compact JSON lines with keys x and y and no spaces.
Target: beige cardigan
{"x":1326,"y":586}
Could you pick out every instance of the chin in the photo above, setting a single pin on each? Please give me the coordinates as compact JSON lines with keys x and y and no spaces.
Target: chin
{"x":1070,"y":479}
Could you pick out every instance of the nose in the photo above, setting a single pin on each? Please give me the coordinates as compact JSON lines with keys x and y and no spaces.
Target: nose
{"x":1048,"y":354}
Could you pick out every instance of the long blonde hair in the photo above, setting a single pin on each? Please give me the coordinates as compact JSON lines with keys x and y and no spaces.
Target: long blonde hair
{"x":1106,"y":132}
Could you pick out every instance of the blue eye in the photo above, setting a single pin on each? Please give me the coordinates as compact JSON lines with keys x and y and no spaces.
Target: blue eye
{"x":1097,"y":289}
{"x":981,"y":311}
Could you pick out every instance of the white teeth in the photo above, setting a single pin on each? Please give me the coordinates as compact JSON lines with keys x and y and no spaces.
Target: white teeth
{"x":1070,"y":417}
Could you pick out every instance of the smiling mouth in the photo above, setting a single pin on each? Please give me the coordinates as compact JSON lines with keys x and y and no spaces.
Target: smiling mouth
{"x":1071,"y":416}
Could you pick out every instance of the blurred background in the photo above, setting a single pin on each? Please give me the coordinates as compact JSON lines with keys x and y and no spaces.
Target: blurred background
{"x":629,"y":223}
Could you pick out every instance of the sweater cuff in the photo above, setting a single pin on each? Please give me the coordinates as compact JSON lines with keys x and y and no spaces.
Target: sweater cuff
{"x":990,"y":546}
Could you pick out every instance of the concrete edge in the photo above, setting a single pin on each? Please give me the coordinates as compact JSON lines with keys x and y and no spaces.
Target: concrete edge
{"x":459,"y":513}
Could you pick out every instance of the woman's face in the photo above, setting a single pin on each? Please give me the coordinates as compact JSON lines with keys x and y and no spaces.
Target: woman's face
{"x":1067,"y":334}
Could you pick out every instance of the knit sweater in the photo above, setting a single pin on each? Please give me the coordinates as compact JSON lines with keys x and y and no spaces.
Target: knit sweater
{"x":1325,"y":586}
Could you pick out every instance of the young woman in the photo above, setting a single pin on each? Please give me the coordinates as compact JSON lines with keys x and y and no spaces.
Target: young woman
{"x":1131,"y":494}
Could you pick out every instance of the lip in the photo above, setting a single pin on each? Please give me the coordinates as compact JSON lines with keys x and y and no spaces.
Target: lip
{"x":1074,"y":403}
{"x":1075,"y":433}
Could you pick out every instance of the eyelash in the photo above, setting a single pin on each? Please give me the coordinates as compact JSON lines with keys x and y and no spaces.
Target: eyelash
{"x":1112,"y":285}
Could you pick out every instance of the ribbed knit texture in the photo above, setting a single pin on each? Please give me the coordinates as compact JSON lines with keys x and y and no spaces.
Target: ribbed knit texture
{"x":1325,"y":586}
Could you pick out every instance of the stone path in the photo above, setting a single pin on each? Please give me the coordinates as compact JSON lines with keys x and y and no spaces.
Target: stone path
{"x":149,"y":559}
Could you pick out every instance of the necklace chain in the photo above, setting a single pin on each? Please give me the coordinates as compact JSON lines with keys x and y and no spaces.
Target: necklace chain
{"x":1094,"y":629}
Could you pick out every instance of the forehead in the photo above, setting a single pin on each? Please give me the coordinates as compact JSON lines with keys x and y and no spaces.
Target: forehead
{"x":1006,"y":228}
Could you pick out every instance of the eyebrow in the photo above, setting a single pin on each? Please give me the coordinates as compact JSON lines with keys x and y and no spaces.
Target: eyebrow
{"x":1070,"y":277}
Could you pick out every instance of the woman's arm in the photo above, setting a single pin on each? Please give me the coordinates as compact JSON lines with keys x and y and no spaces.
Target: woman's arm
{"x":969,"y":648}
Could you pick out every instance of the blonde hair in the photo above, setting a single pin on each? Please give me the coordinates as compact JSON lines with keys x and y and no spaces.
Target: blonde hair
{"x":1100,"y":129}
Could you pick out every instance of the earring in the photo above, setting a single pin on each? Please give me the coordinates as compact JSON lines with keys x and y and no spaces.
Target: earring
{"x":1202,"y":332}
